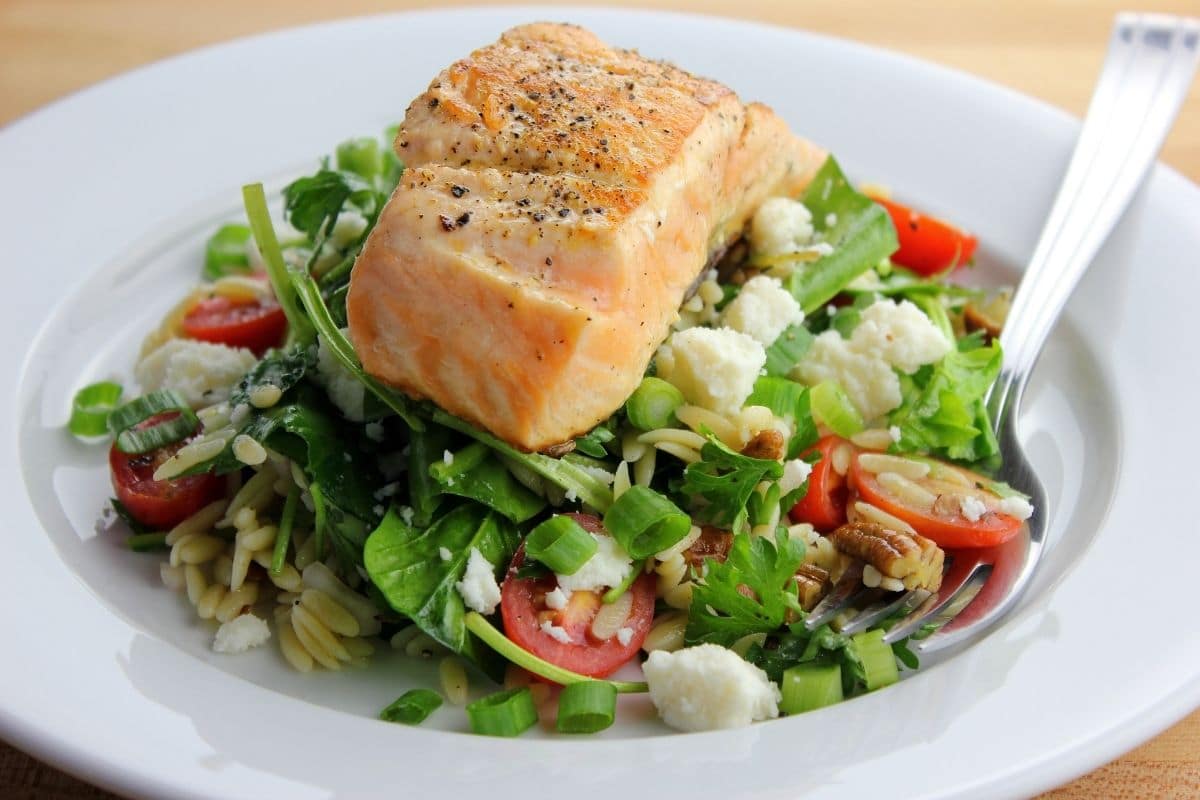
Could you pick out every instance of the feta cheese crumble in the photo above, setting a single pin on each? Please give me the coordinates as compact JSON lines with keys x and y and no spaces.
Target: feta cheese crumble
{"x":1017,"y":507}
{"x":795,"y":472}
{"x":344,"y":390}
{"x":556,"y":633}
{"x":889,"y":336}
{"x":478,"y":587}
{"x":556,"y":599}
{"x":608,"y":566}
{"x":240,"y":634}
{"x":444,"y":553}
{"x":972,"y":508}
{"x":708,"y":687}
{"x":624,"y":636}
{"x":203,"y":373}
{"x":763,"y":309}
{"x":781,"y":225}
{"x":713,"y":367}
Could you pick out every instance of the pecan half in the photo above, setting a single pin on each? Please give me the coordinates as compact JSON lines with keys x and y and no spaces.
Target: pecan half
{"x":713,"y":543}
{"x":907,"y":557}
{"x":814,"y":584}
{"x":768,"y":444}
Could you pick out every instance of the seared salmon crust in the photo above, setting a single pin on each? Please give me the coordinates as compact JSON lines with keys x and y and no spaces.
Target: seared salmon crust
{"x":560,"y":198}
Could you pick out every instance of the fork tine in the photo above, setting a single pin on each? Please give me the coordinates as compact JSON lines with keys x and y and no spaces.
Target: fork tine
{"x":844,"y":591}
{"x":904,"y":603}
{"x":942,"y":607}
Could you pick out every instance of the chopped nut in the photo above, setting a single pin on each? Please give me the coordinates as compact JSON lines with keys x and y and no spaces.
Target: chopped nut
{"x":768,"y":444}
{"x":908,"y":557}
{"x":814,"y":584}
{"x":561,"y":449}
{"x":712,"y":543}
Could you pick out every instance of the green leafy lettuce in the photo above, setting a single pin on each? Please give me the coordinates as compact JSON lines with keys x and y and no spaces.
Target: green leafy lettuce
{"x":724,"y":480}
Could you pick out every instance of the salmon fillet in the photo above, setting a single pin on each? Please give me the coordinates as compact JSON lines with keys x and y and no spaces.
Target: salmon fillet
{"x":560,"y":199}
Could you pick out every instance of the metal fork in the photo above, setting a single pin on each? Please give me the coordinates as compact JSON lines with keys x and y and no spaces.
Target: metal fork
{"x":1146,"y":74}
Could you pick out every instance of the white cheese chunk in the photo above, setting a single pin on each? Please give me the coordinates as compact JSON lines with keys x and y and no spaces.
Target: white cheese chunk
{"x":713,"y":367}
{"x":556,"y":599}
{"x":763,"y":309}
{"x":478,"y":587}
{"x":708,"y":687}
{"x":555,"y":632}
{"x":795,"y":472}
{"x":346,"y":391}
{"x":203,"y":373}
{"x":972,"y":508}
{"x":607,"y":567}
{"x":889,"y":336}
{"x":624,"y":636}
{"x":1017,"y":507}
{"x":780,"y":226}
{"x":240,"y":634}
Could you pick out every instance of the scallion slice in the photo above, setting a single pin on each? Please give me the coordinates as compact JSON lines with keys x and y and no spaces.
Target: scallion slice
{"x":318,"y":498}
{"x":645,"y":522}
{"x":507,"y":713}
{"x":225,"y":252}
{"x":146,"y":542}
{"x":286,"y":520}
{"x":412,"y":707}
{"x":586,"y":707}
{"x":652,"y":404}
{"x":878,"y":660}
{"x":561,"y":544}
{"x":614,"y":594}
{"x":123,"y":422}
{"x":91,"y":406}
{"x":832,"y":406}
{"x":300,"y":328}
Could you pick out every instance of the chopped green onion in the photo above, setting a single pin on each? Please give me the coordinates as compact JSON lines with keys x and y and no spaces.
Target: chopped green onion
{"x":787,"y":350}
{"x":810,"y":686}
{"x":614,"y":593}
{"x":933,"y":308}
{"x":412,"y":707}
{"x":146,"y":542}
{"x":300,"y":328}
{"x":561,"y":544}
{"x":225,"y":252}
{"x":586,"y":707}
{"x":318,"y":498}
{"x":645,"y":522}
{"x":493,"y":638}
{"x":878,"y":660}
{"x":123,"y":422}
{"x":91,"y":406}
{"x":652,"y":404}
{"x":832,"y":406}
{"x":507,"y":713}
{"x":361,"y":156}
{"x":286,"y":520}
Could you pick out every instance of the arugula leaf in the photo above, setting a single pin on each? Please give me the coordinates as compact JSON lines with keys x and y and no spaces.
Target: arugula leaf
{"x":725,"y":479}
{"x":943,"y":411}
{"x":476,"y":473}
{"x":281,"y":368}
{"x":721,"y":610}
{"x":787,"y":350}
{"x":406,"y":564}
{"x":862,"y":235}
{"x":592,"y":443}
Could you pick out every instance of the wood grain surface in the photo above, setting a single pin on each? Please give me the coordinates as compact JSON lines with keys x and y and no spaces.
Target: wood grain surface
{"x":1051,"y":50}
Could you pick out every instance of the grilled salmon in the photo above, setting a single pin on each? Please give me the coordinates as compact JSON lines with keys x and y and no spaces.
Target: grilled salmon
{"x":561,"y":197}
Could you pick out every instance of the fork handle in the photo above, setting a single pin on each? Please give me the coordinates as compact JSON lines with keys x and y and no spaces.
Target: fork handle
{"x":1150,"y":62}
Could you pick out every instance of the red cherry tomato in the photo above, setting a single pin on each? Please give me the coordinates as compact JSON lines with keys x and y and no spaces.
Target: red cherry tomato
{"x":944,"y":523}
{"x":824,"y":506}
{"x":523,"y":607}
{"x":257,"y":325}
{"x":159,"y":504}
{"x":927,"y":245}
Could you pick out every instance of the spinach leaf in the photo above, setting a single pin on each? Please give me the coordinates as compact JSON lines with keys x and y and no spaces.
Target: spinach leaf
{"x":406,"y":564}
{"x":799,"y":646}
{"x":723,"y":612}
{"x":787,"y":350}
{"x":281,"y":368}
{"x":725,"y":479}
{"x":861,"y":235}
{"x":425,"y":448}
{"x":943,"y":411}
{"x":476,"y":473}
{"x":592,"y":443}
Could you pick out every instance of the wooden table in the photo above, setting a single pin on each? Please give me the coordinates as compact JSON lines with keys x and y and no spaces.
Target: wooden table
{"x":1051,"y":50}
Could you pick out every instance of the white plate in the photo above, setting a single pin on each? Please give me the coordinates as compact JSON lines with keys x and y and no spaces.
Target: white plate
{"x":106,"y":199}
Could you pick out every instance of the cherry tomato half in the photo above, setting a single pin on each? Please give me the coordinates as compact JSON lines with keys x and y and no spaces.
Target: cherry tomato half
{"x":824,"y":506}
{"x":257,"y":325}
{"x":159,"y":504}
{"x":944,"y":522}
{"x":523,"y":607}
{"x":927,"y":245}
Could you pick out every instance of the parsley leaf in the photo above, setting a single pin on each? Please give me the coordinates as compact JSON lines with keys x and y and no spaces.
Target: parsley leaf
{"x":722,"y":609}
{"x":312,"y":203}
{"x":725,"y":478}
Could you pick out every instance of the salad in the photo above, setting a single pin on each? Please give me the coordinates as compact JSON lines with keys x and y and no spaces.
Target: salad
{"x":814,"y":419}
